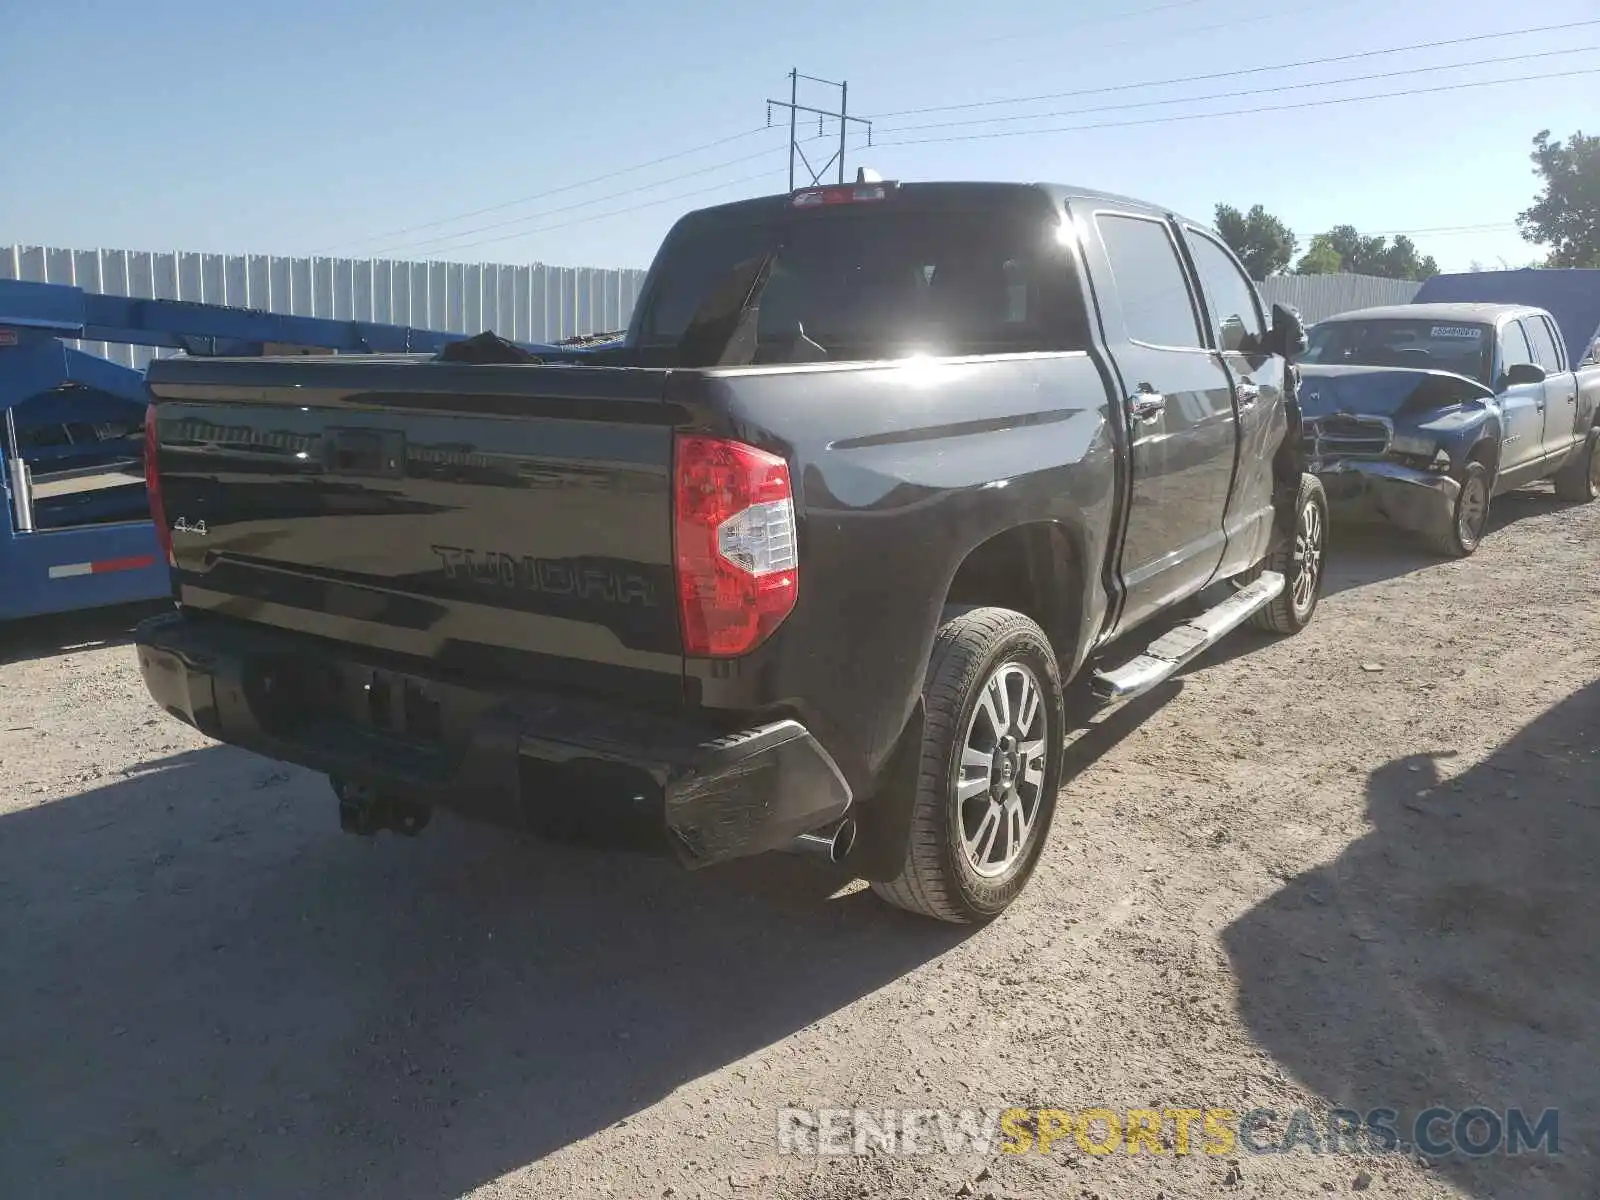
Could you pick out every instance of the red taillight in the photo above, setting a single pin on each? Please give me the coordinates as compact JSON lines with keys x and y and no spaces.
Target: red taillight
{"x":738,"y":566}
{"x":152,"y":484}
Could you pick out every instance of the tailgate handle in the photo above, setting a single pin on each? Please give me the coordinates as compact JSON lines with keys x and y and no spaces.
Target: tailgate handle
{"x":371,"y":452}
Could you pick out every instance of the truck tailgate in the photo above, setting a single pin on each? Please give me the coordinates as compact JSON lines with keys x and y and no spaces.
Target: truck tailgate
{"x":507,"y":522}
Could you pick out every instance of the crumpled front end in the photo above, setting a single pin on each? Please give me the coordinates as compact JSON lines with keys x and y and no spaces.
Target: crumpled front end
{"x":1387,"y":443}
{"x":1421,"y":501}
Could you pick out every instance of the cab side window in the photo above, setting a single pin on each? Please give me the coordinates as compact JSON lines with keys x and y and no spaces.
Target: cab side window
{"x":1542,"y":344}
{"x":1231,"y":303}
{"x":1514,"y":347}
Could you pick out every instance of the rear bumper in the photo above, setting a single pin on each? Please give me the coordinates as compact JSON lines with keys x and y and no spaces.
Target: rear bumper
{"x":1420,"y":501}
{"x":555,"y":765}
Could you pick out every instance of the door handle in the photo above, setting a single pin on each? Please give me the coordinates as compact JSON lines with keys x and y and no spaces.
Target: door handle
{"x":1146,"y":406}
{"x":1247,"y":394}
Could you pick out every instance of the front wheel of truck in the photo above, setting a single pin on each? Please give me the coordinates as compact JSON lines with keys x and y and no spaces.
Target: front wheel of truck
{"x":1469,"y":521}
{"x":1302,"y":560}
{"x":991,"y":763}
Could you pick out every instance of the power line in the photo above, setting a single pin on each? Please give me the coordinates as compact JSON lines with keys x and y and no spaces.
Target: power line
{"x":550,"y":212}
{"x":1457,"y":231}
{"x":680,"y":154}
{"x":988,"y":135}
{"x":796,"y":146}
{"x":1309,"y":62}
{"x":1235,"y":112}
{"x":615,"y":212}
{"x":1145,"y":41}
{"x":623,"y":211}
{"x":1069,"y":129}
{"x":1441,"y":229}
{"x":1438,"y":229}
{"x":1281,"y":87}
{"x":676,"y":155}
{"x":529,"y":199}
{"x":965,"y":45}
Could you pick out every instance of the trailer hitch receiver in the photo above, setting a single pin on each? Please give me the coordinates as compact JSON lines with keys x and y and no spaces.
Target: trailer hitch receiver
{"x":366,"y":812}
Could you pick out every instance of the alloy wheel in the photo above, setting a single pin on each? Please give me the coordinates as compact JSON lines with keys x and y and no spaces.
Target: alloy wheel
{"x":1000,"y":785}
{"x":1309,"y":541}
{"x":1472,"y":510}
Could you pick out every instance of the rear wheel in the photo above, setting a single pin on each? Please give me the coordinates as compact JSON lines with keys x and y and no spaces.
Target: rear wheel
{"x":991,"y":764}
{"x":1579,"y":481}
{"x":1470,"y":519}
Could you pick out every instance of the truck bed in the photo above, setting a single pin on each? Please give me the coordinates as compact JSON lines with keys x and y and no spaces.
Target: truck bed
{"x":509,"y":522}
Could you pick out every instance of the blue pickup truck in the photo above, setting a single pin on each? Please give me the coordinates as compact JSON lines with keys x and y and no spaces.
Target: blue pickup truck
{"x":1420,"y":414}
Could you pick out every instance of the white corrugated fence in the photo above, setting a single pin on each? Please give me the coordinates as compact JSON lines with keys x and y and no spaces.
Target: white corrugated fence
{"x":1321,"y":296}
{"x":533,"y":303}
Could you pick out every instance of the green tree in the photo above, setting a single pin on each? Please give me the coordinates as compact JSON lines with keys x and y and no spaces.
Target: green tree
{"x":1321,"y":258}
{"x":1566,"y":214}
{"x":1264,"y":244}
{"x":1402,"y":261}
{"x":1344,"y":248}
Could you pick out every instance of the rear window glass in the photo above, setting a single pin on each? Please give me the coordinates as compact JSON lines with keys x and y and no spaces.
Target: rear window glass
{"x":1464,"y":348}
{"x":881,"y":284}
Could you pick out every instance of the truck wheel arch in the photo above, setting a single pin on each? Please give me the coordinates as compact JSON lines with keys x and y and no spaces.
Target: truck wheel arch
{"x":1486,"y":449}
{"x":1288,"y":464}
{"x":1035,"y":569}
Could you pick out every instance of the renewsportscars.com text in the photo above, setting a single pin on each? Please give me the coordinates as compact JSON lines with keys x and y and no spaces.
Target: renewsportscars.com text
{"x":1437,"y":1132}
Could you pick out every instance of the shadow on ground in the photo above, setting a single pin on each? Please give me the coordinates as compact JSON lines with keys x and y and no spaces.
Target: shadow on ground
{"x":206,"y":990}
{"x":63,"y":633}
{"x":1364,"y":554}
{"x":1452,"y":956}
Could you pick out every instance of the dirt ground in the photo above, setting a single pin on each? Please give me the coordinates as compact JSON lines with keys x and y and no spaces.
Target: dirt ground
{"x":1288,"y":880}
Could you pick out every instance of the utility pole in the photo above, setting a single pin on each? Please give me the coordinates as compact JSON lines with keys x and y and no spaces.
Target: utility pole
{"x":796,"y":108}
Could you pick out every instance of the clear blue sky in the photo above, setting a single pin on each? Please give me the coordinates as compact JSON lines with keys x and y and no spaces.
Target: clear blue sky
{"x":299,"y":127}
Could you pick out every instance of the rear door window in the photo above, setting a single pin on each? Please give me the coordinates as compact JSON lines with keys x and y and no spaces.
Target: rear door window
{"x":1157,"y":308}
{"x":1230,"y":297}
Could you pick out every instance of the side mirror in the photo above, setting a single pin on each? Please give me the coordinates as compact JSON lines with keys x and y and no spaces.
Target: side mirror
{"x":1524,"y":372}
{"x":1288,"y":334}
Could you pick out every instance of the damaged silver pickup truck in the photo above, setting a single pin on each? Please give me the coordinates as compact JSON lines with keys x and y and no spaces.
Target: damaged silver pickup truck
{"x":1420,"y":414}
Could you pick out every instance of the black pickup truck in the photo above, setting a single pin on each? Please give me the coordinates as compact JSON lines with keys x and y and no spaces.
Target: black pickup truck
{"x":809,"y":558}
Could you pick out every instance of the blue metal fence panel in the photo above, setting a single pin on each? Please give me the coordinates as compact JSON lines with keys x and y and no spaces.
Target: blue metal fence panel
{"x":1570,"y":295}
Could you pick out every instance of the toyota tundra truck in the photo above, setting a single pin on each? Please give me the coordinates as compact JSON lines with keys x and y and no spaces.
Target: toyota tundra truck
{"x":880,"y":478}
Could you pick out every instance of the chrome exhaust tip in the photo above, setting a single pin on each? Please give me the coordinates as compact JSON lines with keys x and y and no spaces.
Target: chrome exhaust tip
{"x":834,"y":842}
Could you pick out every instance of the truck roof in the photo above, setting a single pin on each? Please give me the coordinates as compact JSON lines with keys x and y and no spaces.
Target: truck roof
{"x":1487,"y":313}
{"x":953,"y":194}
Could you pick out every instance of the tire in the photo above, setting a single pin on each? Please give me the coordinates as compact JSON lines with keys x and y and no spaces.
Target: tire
{"x":1469,"y":520}
{"x":956,"y":868}
{"x":1301,"y":560}
{"x":1579,"y":481}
